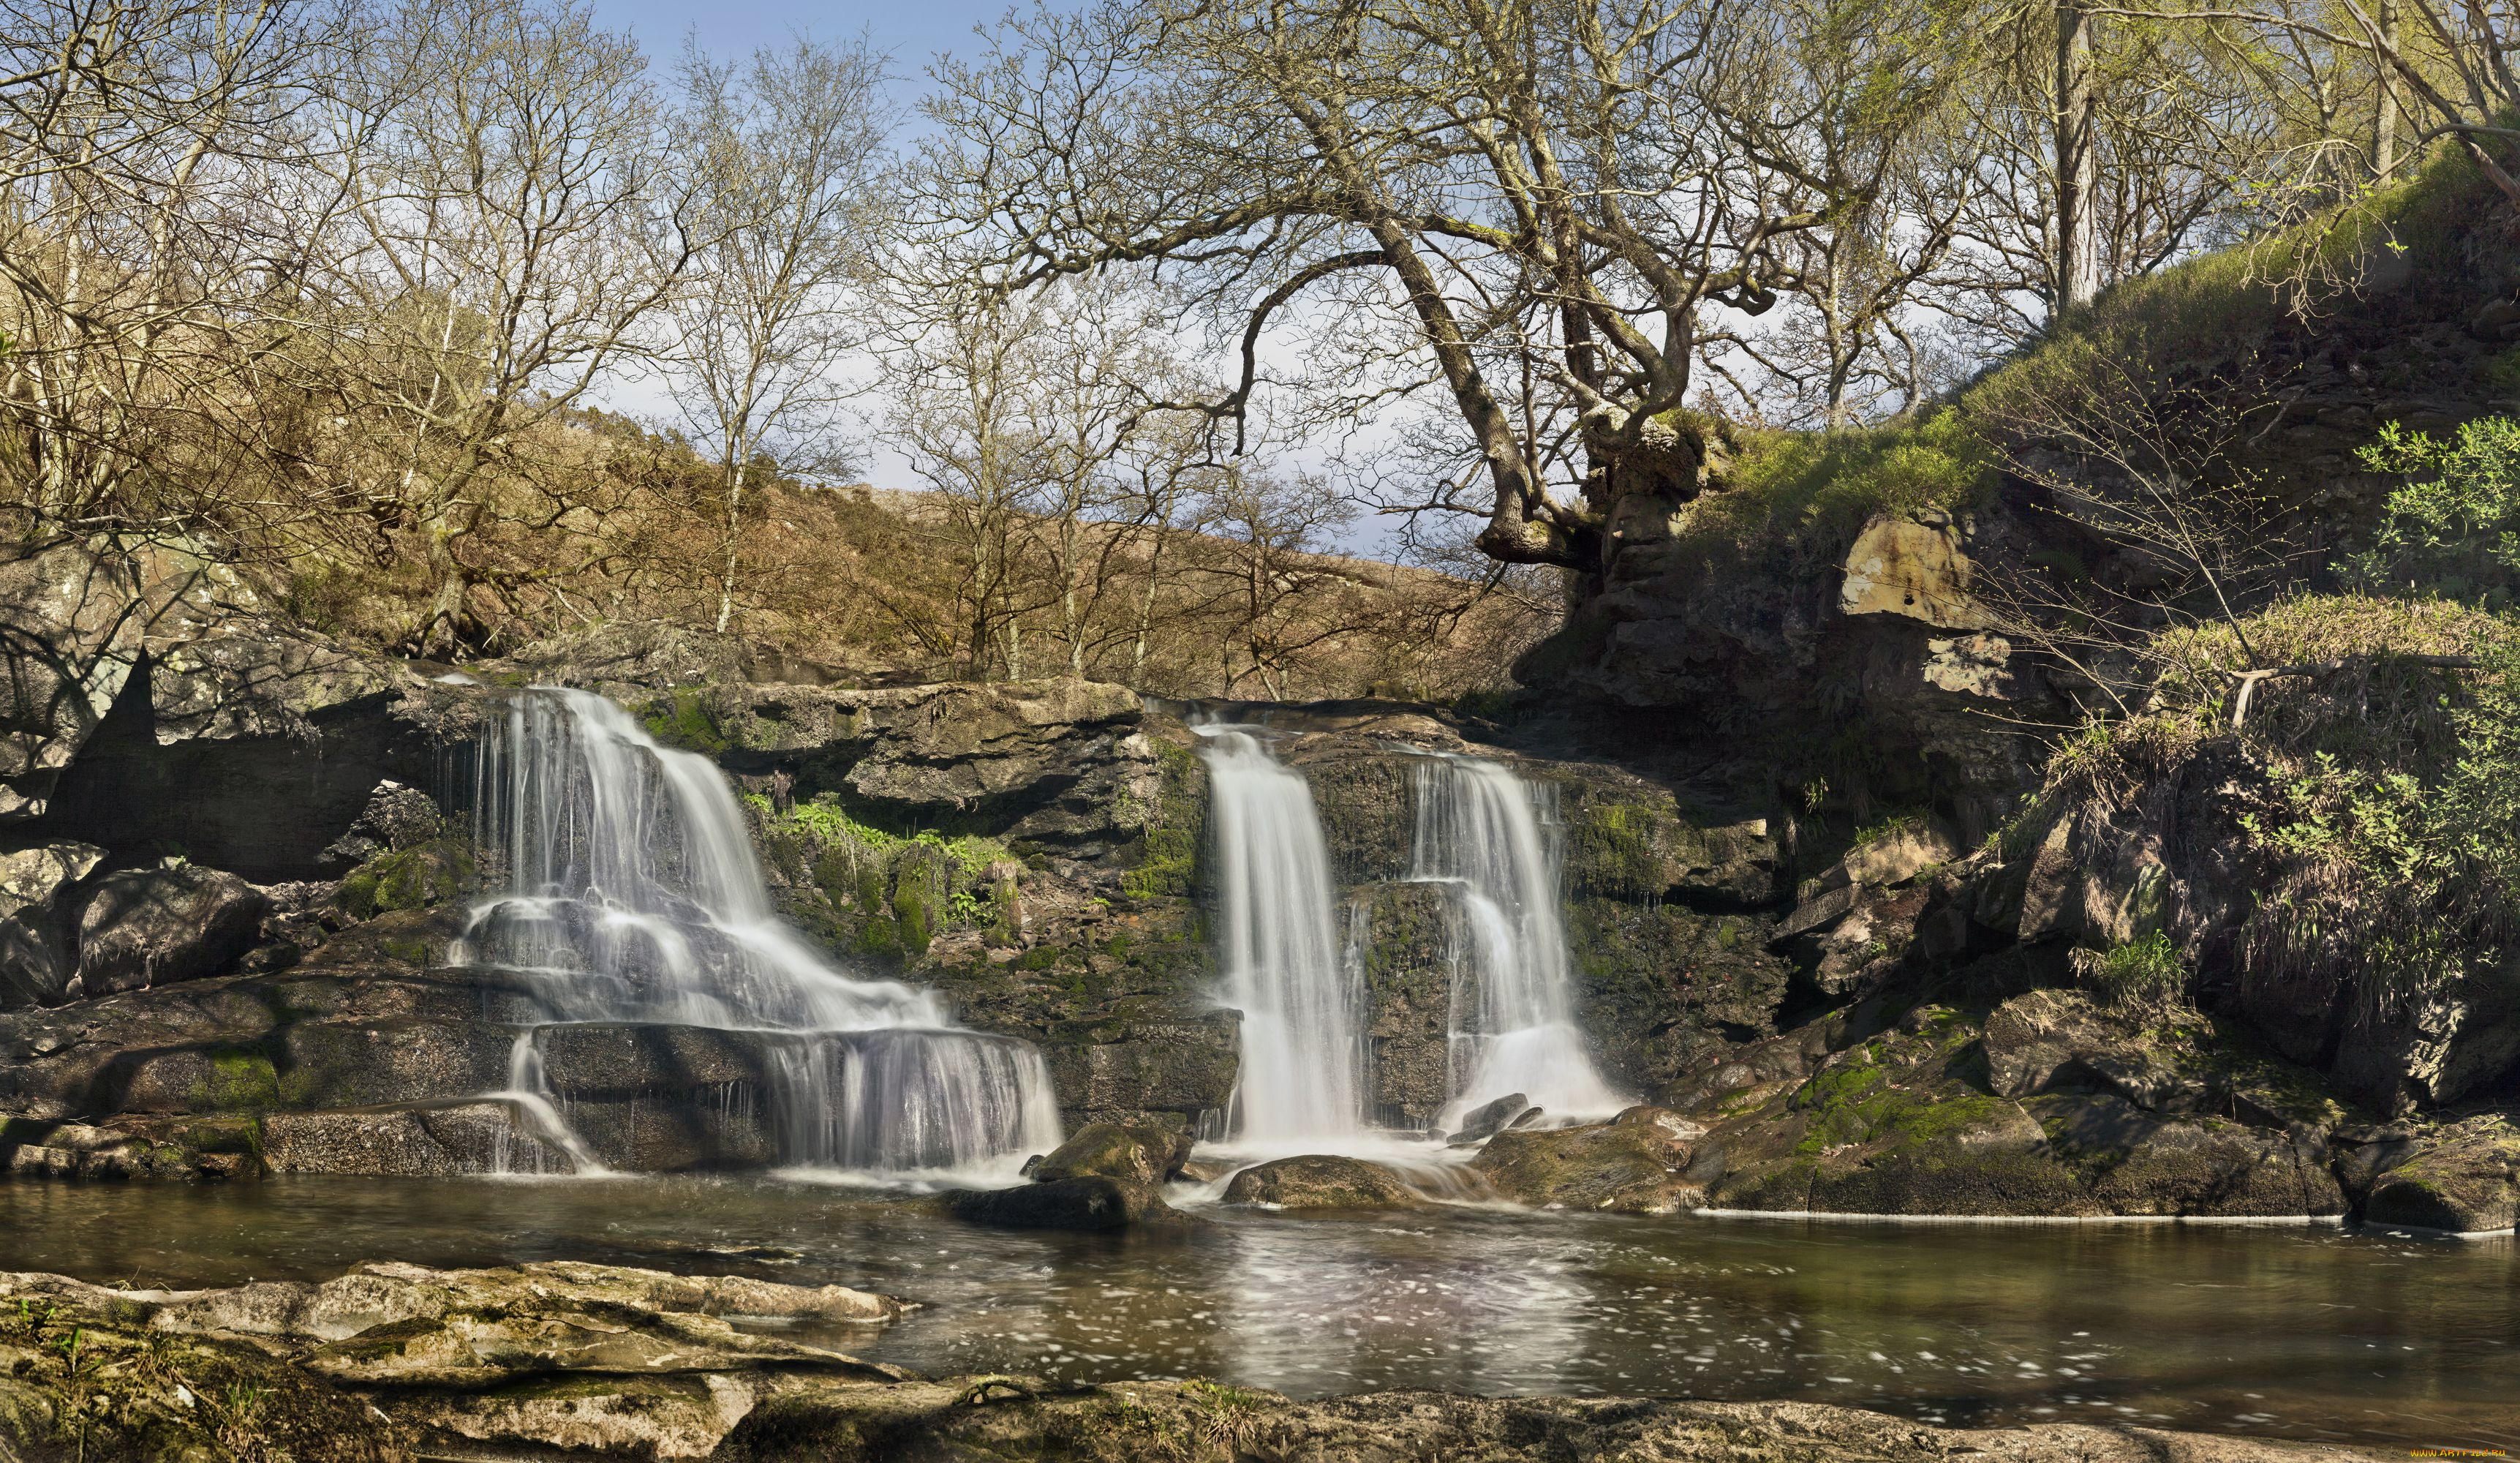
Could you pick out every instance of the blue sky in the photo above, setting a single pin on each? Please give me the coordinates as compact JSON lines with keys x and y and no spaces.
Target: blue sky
{"x":912,"y":32}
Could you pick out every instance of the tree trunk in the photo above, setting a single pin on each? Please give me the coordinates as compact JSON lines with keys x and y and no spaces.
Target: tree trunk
{"x":2384,"y":129}
{"x":2078,"y":170}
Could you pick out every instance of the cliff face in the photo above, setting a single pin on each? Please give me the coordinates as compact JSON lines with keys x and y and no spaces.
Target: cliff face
{"x":240,"y":854}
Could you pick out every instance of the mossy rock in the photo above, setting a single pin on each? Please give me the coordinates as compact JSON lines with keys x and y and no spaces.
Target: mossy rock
{"x":1167,"y":860}
{"x":1632,"y":1168}
{"x":420,"y":877}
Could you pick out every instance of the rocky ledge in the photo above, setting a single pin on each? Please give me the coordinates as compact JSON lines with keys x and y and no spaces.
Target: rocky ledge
{"x":394,"y":1363}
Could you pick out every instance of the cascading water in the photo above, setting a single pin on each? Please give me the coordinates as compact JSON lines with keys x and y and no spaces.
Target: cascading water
{"x":1512,"y":1026}
{"x":634,"y":897}
{"x":1303,"y":1046}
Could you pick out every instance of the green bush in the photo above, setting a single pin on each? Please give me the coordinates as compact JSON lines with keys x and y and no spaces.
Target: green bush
{"x":2142,"y":975}
{"x":2457,"y":533}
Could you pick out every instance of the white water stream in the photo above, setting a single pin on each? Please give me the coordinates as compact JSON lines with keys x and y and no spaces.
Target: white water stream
{"x":1512,"y":1026}
{"x":634,"y":897}
{"x":1303,"y":1072}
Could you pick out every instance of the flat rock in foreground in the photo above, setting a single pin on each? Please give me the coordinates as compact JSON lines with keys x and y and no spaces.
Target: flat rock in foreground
{"x":571,"y":1360}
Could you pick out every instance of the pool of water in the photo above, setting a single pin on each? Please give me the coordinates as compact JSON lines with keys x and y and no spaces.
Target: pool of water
{"x":2308,"y":1333}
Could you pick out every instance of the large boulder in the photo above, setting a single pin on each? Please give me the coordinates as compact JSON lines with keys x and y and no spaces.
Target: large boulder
{"x":156,"y":927}
{"x":2464,"y":1178}
{"x":1112,"y":1149}
{"x":1096,"y":1205}
{"x":1636,"y":1167}
{"x":1321,"y":1181}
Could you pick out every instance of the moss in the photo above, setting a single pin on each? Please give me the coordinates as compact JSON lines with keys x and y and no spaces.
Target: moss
{"x":240,"y":1081}
{"x":1168,"y":856}
{"x":1887,"y":1091}
{"x":682,"y":718}
{"x":436,"y":872}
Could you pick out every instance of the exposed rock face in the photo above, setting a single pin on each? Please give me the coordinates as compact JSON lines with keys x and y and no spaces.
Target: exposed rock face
{"x":392,"y":1363}
{"x":1321,"y":1181}
{"x":154,"y":927}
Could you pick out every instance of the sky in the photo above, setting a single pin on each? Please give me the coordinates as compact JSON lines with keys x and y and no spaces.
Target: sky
{"x":910,"y":33}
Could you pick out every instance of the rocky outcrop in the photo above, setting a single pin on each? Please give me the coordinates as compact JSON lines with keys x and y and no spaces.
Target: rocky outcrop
{"x":393,"y":1364}
{"x":2046,"y":1105}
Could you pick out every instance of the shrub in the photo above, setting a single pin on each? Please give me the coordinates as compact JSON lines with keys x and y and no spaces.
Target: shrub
{"x":2456,"y":534}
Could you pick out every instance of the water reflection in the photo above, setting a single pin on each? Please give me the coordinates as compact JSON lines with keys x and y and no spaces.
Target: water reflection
{"x":2311,"y":1332}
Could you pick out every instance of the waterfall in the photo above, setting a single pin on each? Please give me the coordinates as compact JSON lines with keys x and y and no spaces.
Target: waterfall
{"x":1512,"y":1026}
{"x":1303,"y":1047}
{"x":634,"y":896}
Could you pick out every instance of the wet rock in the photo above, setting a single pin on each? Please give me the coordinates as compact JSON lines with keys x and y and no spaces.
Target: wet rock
{"x":1628,"y":1168}
{"x":1093,"y":1204}
{"x":1487,"y":1120}
{"x":156,"y":927}
{"x":1110,"y":1150}
{"x":1671,"y":1125}
{"x":2463,"y":1179}
{"x":1321,"y":1181}
{"x":482,"y":1137}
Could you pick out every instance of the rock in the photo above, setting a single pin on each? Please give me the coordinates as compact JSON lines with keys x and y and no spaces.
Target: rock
{"x":1628,"y":1167}
{"x":414,"y":876}
{"x":1910,"y":570}
{"x":2141,"y":1164}
{"x":2463,"y":1179}
{"x":1321,"y":1181}
{"x":30,"y":878}
{"x":1094,"y":1203}
{"x":1671,"y":1125}
{"x":396,"y":818}
{"x":156,"y":927}
{"x":1109,"y":1150}
{"x":35,"y":885}
{"x":1490,"y":1119}
{"x":2030,"y":1039}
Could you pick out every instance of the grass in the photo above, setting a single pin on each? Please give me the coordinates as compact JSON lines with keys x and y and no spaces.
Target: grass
{"x":1814,"y":491}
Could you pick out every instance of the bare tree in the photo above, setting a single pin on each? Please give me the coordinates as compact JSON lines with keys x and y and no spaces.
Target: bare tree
{"x":145,"y":262}
{"x":516,"y":224}
{"x":784,"y":155}
{"x":1551,"y":191}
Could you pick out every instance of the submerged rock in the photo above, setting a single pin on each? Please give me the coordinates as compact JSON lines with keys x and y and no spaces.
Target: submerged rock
{"x":1321,"y":1181}
{"x":1112,"y":1149}
{"x":1095,"y":1204}
{"x":1628,"y":1168}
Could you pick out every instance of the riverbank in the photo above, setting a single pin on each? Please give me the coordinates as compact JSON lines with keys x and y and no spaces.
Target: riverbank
{"x":2309,"y":1334}
{"x":394,"y":1363}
